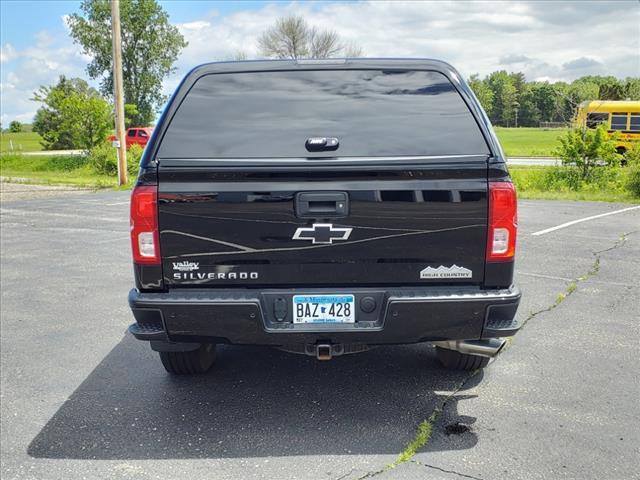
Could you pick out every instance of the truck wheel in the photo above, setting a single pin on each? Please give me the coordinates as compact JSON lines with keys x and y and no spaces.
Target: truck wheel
{"x":460,"y":361}
{"x":189,"y":363}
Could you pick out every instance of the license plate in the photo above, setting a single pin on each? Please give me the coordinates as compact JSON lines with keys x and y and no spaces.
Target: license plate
{"x":324,"y":309}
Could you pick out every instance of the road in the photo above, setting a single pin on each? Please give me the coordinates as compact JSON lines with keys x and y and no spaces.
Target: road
{"x":548,"y":161}
{"x":82,"y":399}
{"x":54,"y":153}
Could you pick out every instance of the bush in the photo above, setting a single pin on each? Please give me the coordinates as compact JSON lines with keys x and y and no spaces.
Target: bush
{"x":66,"y":163}
{"x":19,"y":162}
{"x":632,"y":170}
{"x":632,"y":183}
{"x":10,"y":161}
{"x":104,"y":159}
{"x":15,"y":127}
{"x":569,"y":178}
{"x":134,"y":154}
{"x":603,"y":181}
{"x":587,"y":151}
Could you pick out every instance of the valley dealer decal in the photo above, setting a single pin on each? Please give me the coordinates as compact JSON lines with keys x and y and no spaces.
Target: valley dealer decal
{"x":186,"y":271}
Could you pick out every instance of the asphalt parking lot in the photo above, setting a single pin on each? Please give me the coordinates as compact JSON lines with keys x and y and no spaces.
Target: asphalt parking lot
{"x":82,"y":399}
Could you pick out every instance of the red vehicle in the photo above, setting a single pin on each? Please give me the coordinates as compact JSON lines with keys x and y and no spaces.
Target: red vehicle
{"x":137,"y":135}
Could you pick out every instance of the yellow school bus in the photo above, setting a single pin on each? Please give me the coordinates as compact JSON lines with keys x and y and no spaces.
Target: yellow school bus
{"x":622,"y":117}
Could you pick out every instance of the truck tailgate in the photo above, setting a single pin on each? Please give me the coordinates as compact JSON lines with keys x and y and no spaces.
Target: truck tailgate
{"x":417,"y":224}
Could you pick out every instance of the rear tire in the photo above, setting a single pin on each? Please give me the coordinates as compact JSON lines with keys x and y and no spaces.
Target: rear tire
{"x":460,"y":361}
{"x":189,"y":363}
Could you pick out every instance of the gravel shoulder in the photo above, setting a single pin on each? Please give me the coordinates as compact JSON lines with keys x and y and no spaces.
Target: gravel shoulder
{"x":12,"y":191}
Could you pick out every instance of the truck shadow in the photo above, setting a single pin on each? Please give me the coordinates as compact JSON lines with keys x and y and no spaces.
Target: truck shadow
{"x":256,"y":402}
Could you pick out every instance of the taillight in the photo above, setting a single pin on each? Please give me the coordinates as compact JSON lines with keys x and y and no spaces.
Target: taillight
{"x":503,"y":222}
{"x":144,"y":225}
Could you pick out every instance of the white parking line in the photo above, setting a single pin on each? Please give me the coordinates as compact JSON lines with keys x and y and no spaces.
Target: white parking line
{"x":580,"y":220}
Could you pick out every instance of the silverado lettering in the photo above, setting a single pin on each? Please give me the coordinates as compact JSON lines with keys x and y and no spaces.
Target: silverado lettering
{"x":216,"y":276}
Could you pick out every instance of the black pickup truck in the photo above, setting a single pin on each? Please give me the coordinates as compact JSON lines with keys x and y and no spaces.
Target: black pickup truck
{"x":323,"y":207}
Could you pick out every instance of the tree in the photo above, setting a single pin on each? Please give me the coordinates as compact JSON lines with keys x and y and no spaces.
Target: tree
{"x":544,"y":96}
{"x":483,"y":93}
{"x":73,"y":115}
{"x":240,"y":56}
{"x":587,"y":149}
{"x":48,"y":119}
{"x":500,"y":93}
{"x":570,"y":96}
{"x":15,"y":127}
{"x":150,"y":47}
{"x":88,"y":119}
{"x":292,"y":37}
{"x":528,"y":112}
{"x":611,"y":90}
{"x":632,"y":88}
{"x":131,"y":115}
{"x":519,"y":81}
{"x":504,"y":97}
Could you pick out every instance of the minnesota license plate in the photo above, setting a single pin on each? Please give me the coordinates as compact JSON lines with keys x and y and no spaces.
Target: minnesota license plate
{"x":324,"y":309}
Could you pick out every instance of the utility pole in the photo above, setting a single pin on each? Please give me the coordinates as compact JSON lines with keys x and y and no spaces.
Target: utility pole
{"x":118,"y":96}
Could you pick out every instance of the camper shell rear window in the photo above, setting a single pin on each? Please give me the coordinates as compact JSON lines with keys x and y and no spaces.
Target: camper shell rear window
{"x":371,"y":113}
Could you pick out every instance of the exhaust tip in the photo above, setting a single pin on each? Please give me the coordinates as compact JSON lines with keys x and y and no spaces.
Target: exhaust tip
{"x":502,"y":345}
{"x":489,"y":347}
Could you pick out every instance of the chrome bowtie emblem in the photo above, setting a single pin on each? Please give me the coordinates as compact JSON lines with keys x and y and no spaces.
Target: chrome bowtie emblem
{"x":322,"y":233}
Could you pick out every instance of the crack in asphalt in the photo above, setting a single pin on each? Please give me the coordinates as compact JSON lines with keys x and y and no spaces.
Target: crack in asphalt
{"x":373,"y":473}
{"x":572,"y":286}
{"x":341,"y":477}
{"x":621,"y":241}
{"x":461,"y":475}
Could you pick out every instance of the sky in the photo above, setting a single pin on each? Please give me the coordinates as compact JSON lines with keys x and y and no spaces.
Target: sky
{"x":547,"y":40}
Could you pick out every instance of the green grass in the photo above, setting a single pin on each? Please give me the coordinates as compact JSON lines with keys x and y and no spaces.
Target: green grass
{"x":420,"y":440}
{"x":604,"y":196}
{"x":532,"y":182}
{"x":22,"y":142}
{"x":529,"y":142}
{"x":53,"y":170}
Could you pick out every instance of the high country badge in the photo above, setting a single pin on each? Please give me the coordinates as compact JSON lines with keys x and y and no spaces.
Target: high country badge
{"x":453,"y":271}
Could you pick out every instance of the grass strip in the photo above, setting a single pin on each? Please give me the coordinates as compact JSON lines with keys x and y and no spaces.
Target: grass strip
{"x":529,"y":142}
{"x":20,"y":142}
{"x":53,"y":170}
{"x":422,"y":437}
